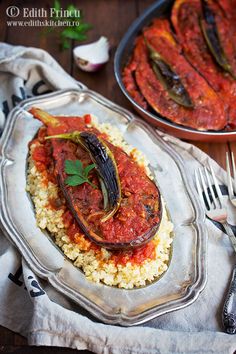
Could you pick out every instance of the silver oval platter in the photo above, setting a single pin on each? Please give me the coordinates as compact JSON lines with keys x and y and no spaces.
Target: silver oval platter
{"x":186,"y":275}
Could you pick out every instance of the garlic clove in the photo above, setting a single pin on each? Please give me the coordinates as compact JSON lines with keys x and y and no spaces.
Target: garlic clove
{"x":91,"y":57}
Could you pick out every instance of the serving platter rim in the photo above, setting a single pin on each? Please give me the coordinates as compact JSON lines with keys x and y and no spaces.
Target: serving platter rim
{"x":193,"y":290}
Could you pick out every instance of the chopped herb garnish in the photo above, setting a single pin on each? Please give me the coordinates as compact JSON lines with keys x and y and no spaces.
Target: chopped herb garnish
{"x":76,"y":29}
{"x":78,"y":174}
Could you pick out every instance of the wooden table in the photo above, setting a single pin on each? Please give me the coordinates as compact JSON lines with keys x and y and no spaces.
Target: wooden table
{"x":111,"y":19}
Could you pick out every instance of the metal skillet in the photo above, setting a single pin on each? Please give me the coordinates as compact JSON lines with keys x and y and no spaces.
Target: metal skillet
{"x":159,"y":9}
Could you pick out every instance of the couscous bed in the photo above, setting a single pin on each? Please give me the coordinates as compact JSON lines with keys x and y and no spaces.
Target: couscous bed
{"x":123,"y":268}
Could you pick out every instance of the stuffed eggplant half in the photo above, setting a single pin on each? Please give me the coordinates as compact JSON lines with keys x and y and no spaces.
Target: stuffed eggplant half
{"x":96,"y":196}
{"x":183,"y":67}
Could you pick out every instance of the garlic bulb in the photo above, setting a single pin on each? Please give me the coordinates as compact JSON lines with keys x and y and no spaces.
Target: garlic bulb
{"x":91,"y":57}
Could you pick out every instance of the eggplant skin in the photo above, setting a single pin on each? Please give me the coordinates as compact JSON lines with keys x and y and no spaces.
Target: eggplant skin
{"x":172,"y":83}
{"x":168,"y":78}
{"x":106,"y":167}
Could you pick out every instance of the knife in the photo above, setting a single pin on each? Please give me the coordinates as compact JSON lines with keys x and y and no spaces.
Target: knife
{"x":229,"y":308}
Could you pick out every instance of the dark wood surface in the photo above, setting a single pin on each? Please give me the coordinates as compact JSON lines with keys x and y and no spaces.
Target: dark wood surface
{"x":110,"y":18}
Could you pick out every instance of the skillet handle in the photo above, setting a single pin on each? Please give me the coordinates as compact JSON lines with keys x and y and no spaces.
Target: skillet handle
{"x":229,"y":309}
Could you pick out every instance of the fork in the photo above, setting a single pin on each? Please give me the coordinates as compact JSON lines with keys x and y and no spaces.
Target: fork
{"x":217,"y":211}
{"x":231,"y":185}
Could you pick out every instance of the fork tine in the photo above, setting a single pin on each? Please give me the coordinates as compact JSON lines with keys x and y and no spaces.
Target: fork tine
{"x":204,"y":188}
{"x":234,"y":170}
{"x":199,"y":190}
{"x":210,"y":186}
{"x":218,"y":191}
{"x":229,"y":180}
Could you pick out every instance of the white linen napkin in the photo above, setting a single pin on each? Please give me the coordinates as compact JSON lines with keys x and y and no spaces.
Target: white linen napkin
{"x":30,"y":306}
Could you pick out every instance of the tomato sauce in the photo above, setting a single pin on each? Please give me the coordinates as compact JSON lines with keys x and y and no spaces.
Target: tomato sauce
{"x":139,"y":209}
{"x":135,"y":256}
{"x":208,"y":109}
{"x":185,"y":19}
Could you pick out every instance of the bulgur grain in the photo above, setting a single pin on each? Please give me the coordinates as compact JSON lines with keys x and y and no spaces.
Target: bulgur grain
{"x":98,"y":265}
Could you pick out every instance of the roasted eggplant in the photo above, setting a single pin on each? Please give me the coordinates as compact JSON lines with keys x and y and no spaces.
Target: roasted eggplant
{"x":226,"y":28}
{"x":188,"y":73}
{"x":185,"y":20}
{"x":135,"y":201}
{"x":169,"y":79}
{"x":131,"y":84}
{"x":106,"y":167}
{"x":211,"y":35}
{"x":204,"y":110}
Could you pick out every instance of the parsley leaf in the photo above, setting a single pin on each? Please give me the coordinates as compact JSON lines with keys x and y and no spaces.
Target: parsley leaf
{"x":76,"y":30}
{"x":77,"y":174}
{"x":74,"y":180}
{"x":88,"y":169}
{"x":73,"y":167}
